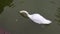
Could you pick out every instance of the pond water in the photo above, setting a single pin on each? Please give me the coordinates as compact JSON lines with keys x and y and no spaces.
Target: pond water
{"x":11,"y":20}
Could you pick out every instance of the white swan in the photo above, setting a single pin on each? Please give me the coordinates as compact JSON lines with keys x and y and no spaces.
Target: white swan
{"x":37,"y":18}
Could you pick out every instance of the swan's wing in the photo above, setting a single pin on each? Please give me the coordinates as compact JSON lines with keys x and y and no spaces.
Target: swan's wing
{"x":37,"y":18}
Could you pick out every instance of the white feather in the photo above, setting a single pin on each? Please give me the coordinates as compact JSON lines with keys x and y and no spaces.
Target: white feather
{"x":37,"y":18}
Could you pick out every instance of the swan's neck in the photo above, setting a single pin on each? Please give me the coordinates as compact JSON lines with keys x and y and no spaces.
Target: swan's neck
{"x":27,"y":13}
{"x":23,"y":11}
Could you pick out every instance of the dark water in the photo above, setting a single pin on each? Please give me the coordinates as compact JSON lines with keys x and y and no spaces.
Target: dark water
{"x":11,"y":20}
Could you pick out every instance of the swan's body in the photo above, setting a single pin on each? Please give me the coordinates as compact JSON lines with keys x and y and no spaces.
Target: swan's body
{"x":37,"y":18}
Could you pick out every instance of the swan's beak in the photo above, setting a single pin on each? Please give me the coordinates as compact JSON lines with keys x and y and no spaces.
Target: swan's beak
{"x":20,"y":11}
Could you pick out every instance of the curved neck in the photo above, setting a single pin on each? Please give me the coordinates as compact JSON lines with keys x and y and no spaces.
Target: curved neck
{"x":23,"y":11}
{"x":27,"y":13}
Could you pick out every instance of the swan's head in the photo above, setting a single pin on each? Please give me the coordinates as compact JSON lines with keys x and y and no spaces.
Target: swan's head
{"x":24,"y":13}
